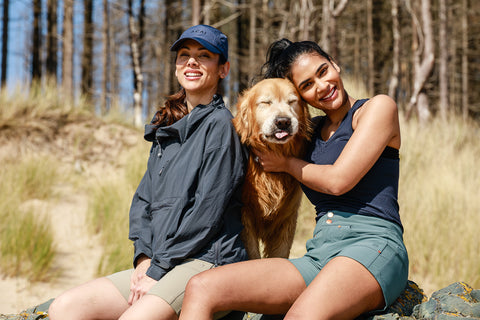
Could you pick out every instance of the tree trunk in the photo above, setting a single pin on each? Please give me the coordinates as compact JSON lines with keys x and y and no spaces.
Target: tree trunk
{"x":370,"y":50}
{"x":67,"y":62}
{"x":393,"y":85}
{"x":465,"y":89}
{"x":138,"y":77}
{"x":324,"y":39}
{"x":6,"y":18}
{"x":423,"y":62}
{"x":37,"y":41}
{"x":443,"y":62}
{"x":105,"y":61}
{"x":52,"y":40}
{"x":87,"y":56}
{"x":305,"y":12}
{"x":195,"y":12}
{"x":330,"y":13}
{"x":252,"y":39}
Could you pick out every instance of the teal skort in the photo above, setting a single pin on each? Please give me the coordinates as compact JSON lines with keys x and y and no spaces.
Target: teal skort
{"x":374,"y":242}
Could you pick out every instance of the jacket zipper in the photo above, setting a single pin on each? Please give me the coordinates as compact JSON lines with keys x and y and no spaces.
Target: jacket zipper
{"x":216,"y":253}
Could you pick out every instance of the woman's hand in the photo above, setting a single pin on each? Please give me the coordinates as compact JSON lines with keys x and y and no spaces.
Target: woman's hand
{"x":140,"y":283}
{"x":270,"y":161}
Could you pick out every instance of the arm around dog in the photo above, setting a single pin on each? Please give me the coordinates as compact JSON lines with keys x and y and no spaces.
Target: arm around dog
{"x":376,"y":126}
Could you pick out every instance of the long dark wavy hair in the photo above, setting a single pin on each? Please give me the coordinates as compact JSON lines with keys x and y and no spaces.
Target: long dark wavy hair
{"x":172,"y":110}
{"x":283,"y":53}
{"x":175,"y":107}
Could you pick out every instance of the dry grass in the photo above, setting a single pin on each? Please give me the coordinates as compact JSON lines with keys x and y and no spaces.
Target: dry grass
{"x":108,"y":211}
{"x":26,"y":244}
{"x":440,"y":206}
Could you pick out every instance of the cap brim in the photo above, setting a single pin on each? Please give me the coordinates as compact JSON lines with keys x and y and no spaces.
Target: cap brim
{"x":204,"y":43}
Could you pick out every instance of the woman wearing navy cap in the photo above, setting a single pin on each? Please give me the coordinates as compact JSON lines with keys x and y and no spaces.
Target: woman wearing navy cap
{"x":185,"y":214}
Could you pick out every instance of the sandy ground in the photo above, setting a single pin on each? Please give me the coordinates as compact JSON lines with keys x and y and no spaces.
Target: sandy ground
{"x":77,"y":260}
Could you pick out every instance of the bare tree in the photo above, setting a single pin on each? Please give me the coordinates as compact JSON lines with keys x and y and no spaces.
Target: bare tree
{"x":52,"y":39}
{"x":465,"y":90}
{"x":423,"y":62}
{"x":252,"y":39}
{"x":443,"y":61}
{"x":37,"y":41}
{"x":67,"y":62}
{"x":330,"y":13}
{"x":138,"y":76}
{"x":393,"y":85}
{"x":87,"y":56}
{"x":195,"y":12}
{"x":105,"y":60}
{"x":6,"y":19}
{"x":306,"y":10}
{"x":370,"y":49}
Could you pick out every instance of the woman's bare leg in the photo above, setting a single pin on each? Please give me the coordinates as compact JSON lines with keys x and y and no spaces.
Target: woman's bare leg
{"x":344,"y":289}
{"x":97,"y":299}
{"x":267,"y":286}
{"x":150,"y":307}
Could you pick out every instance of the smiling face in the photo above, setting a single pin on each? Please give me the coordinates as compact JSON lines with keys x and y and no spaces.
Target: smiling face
{"x":277,"y":109}
{"x":318,"y":81}
{"x":198,"y":70}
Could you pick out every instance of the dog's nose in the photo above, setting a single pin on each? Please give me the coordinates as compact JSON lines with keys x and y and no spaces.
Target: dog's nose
{"x":283,"y":122}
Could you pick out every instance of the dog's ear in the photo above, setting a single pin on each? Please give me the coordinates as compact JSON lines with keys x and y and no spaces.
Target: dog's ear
{"x":306,"y":127}
{"x":243,"y":120}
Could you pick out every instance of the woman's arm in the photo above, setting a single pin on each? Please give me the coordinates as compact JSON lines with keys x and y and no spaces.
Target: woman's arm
{"x":375,"y":126}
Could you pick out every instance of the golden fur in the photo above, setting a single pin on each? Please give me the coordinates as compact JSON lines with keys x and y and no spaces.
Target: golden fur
{"x":266,"y":113}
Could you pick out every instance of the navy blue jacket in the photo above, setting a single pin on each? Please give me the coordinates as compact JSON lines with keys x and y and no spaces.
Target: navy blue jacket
{"x":188,"y":202}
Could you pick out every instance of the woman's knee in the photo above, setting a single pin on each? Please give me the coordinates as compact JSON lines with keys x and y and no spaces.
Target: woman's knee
{"x":199,"y":284}
{"x":61,"y":307}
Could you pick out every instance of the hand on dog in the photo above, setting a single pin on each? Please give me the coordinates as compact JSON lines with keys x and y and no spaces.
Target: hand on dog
{"x":271,"y":161}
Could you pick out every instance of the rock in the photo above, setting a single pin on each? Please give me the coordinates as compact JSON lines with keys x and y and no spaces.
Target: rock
{"x":454,"y":302}
{"x":458,"y":300}
{"x":35,"y":313}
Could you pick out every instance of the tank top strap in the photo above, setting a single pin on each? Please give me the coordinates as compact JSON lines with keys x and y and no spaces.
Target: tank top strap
{"x":357,"y":105}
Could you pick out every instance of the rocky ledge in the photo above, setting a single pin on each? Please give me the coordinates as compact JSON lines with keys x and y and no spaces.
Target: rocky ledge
{"x":458,"y":300}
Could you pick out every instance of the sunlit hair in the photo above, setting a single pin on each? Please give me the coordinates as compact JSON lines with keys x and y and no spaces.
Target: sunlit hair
{"x":175,"y":107}
{"x":282,"y":54}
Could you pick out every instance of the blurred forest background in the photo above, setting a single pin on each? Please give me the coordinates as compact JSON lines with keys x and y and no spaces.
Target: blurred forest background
{"x":424,"y":53}
{"x":92,"y":72}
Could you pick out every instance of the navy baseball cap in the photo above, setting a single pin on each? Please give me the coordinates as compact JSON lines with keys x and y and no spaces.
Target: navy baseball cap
{"x":211,"y":38}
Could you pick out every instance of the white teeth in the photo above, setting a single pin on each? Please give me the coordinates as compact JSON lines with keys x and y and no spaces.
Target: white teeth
{"x":329,"y":95}
{"x":193,"y":74}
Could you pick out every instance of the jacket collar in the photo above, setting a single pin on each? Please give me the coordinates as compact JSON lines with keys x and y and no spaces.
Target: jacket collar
{"x":185,"y":126}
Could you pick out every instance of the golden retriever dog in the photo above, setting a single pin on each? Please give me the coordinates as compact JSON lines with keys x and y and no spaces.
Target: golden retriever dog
{"x":271,"y":116}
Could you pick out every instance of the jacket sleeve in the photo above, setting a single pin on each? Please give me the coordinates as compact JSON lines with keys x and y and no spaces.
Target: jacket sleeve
{"x":221,"y":174}
{"x":140,"y":231}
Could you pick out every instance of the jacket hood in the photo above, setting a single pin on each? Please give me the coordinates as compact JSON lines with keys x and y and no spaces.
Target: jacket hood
{"x":182,"y":127}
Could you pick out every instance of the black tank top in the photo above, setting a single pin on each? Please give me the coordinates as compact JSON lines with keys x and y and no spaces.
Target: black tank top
{"x":377,"y":192}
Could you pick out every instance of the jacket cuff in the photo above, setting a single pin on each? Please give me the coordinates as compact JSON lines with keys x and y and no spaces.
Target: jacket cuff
{"x":155,"y":272}
{"x":139,"y":249}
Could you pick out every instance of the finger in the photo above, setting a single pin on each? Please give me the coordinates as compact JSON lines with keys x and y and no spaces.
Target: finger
{"x":130,"y":298}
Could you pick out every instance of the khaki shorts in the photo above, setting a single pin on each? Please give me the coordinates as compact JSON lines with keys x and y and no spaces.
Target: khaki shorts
{"x":171,"y":287}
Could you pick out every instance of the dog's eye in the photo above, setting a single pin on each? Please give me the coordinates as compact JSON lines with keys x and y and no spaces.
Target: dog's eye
{"x":265,"y":102}
{"x":292,"y":101}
